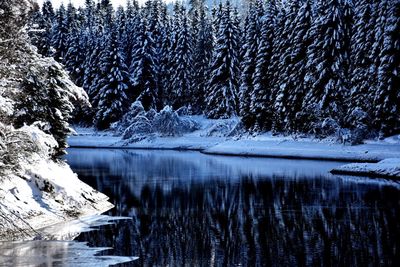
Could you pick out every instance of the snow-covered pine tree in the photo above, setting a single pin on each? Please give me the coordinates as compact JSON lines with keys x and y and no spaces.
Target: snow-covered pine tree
{"x":292,"y":87}
{"x":92,"y":68}
{"x":362,"y":67}
{"x":39,"y":90}
{"x":248,"y":64}
{"x":164,"y":58}
{"x":327,"y":66}
{"x":59,"y":40}
{"x":75,"y":56}
{"x":106,"y":14}
{"x":42,"y":24}
{"x":182,"y":64}
{"x":386,"y":112}
{"x":281,"y":60}
{"x":142,"y":69}
{"x":175,"y":24}
{"x":132,"y":21}
{"x":121,"y":27}
{"x":222,"y":91}
{"x":202,"y":53}
{"x":156,"y":20}
{"x":260,"y":105}
{"x":48,"y":16}
{"x":112,"y":100}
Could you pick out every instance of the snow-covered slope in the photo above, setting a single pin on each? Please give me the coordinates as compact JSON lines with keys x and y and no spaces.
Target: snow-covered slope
{"x":46,"y":194}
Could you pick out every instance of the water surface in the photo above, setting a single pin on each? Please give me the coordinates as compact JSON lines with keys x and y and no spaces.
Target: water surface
{"x":190,"y":209}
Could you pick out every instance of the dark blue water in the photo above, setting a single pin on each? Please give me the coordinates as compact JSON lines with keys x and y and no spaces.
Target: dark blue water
{"x":190,"y":209}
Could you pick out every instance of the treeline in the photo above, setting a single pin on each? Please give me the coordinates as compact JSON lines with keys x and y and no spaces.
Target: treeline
{"x":293,"y":66}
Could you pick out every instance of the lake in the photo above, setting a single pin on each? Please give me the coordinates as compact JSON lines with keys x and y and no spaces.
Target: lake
{"x":191,"y":209}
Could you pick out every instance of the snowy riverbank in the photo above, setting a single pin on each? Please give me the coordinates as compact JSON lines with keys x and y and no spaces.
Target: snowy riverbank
{"x":210,"y":141}
{"x":389,"y":168}
{"x":264,"y":145}
{"x":45,"y":194}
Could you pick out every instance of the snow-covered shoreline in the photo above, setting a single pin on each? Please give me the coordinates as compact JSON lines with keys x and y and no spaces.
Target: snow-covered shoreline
{"x":47,"y":193}
{"x":388,"y":168}
{"x":264,"y":145}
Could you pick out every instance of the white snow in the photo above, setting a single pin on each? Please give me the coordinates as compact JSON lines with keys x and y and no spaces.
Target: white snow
{"x":385,"y":168}
{"x":48,"y":193}
{"x":265,"y":145}
{"x":35,"y":190}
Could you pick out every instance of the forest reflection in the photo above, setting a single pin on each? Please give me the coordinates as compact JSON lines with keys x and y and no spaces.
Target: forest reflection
{"x":189,"y":209}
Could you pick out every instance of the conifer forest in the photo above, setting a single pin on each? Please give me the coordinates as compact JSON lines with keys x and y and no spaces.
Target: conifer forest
{"x":308,"y":66}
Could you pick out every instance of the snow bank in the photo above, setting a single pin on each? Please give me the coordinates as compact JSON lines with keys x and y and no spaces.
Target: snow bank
{"x":35,"y":190}
{"x":48,"y":193}
{"x":389,"y":168}
{"x":305,"y":149}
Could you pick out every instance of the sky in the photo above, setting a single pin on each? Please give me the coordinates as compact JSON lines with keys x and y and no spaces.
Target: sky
{"x":115,"y":3}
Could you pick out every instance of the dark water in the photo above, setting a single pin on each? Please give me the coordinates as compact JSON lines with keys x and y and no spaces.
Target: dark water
{"x":190,"y":209}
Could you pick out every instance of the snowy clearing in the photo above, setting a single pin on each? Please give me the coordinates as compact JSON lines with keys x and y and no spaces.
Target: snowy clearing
{"x":385,"y":168}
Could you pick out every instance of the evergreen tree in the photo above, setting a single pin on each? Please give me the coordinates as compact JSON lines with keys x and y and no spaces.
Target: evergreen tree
{"x":222,"y":94}
{"x":112,"y":96}
{"x":248,"y":64}
{"x":260,"y":105}
{"x":281,"y":60}
{"x":43,"y":23}
{"x":75,"y":56}
{"x":142,"y":69}
{"x":362,"y":67}
{"x":203,"y":47}
{"x":327,"y":65}
{"x":387,"y":96}
{"x":292,"y":90}
{"x":182,"y":64}
{"x":60,"y":37}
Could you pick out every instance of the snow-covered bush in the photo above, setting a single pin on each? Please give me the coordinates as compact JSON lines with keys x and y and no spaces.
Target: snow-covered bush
{"x":185,"y":111}
{"x":222,"y":128}
{"x":168,"y":123}
{"x":136,"y":109}
{"x":237,"y":130}
{"x":138,"y":123}
{"x":359,"y":123}
{"x":151,"y":114}
{"x":141,"y":125}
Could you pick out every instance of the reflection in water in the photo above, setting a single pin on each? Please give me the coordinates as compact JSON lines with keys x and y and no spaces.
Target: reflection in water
{"x":54,"y":253}
{"x":190,"y":209}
